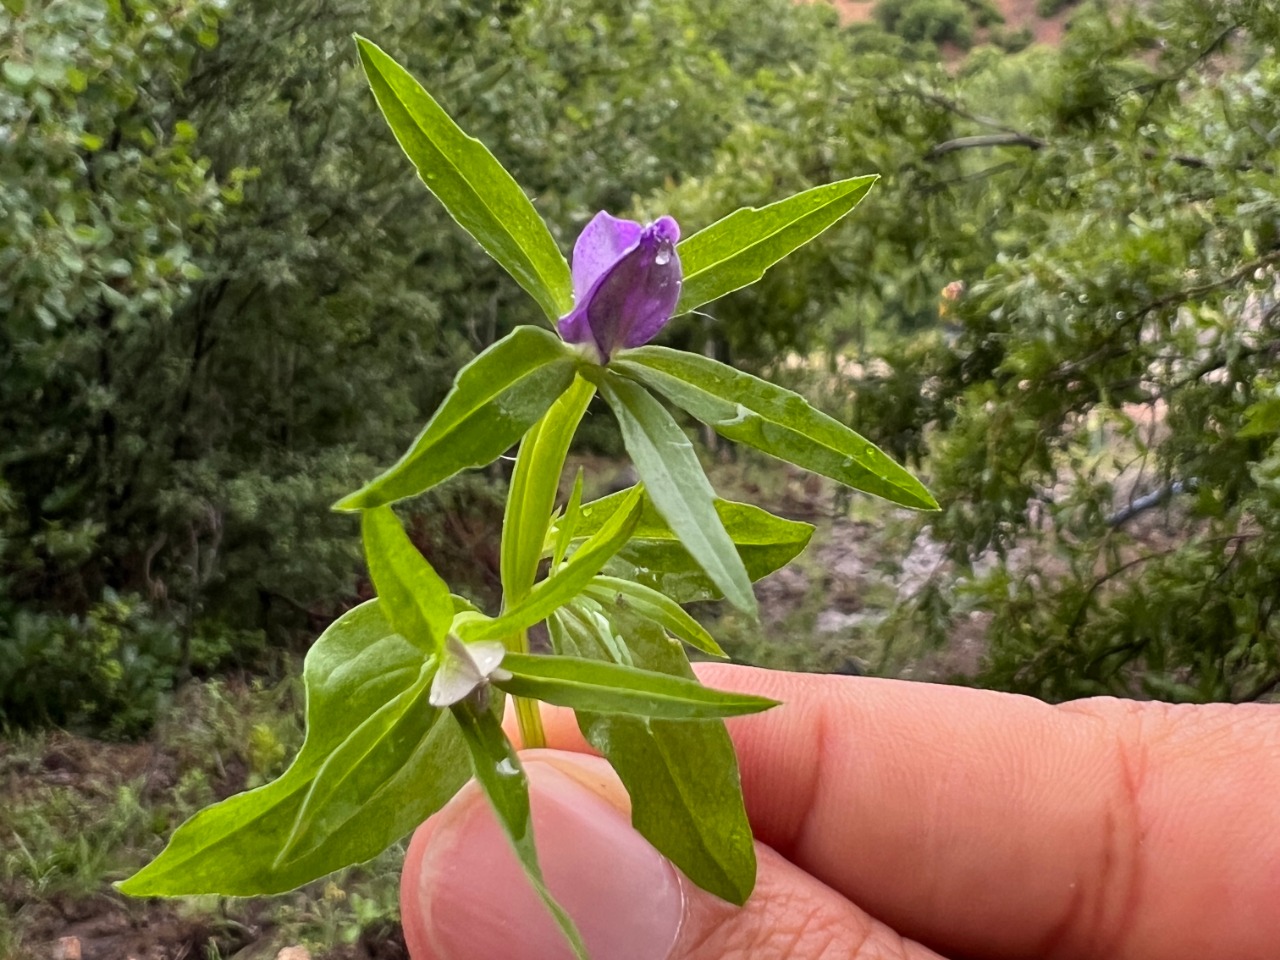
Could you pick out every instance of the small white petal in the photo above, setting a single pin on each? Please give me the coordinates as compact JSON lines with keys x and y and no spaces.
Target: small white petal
{"x":453,"y":682}
{"x":486,"y":655}
{"x":463,"y":668}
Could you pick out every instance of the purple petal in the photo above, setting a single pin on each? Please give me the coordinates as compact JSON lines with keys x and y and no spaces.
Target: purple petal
{"x":633,"y":296}
{"x":574,"y":327}
{"x":601,"y":244}
{"x":667,"y":229}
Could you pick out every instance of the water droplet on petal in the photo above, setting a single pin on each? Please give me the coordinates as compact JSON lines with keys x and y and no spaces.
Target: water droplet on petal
{"x":663,"y":256}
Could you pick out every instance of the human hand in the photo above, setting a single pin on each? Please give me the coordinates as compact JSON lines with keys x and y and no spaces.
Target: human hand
{"x":890,"y":816}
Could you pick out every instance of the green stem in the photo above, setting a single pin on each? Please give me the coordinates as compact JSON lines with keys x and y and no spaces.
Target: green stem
{"x":529,"y":717}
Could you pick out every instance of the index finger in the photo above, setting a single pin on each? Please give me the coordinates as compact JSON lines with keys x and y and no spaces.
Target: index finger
{"x":987,"y":824}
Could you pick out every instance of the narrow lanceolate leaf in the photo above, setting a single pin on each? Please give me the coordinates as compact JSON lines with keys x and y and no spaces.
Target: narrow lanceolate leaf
{"x":501,"y":776}
{"x":357,"y":667}
{"x":470,"y":182}
{"x":530,"y":500}
{"x":600,"y":687}
{"x":773,"y":419}
{"x":736,"y":251}
{"x":679,"y":489}
{"x":655,"y":557}
{"x":658,"y":607}
{"x":495,"y":399}
{"x":414,"y":598}
{"x":534,"y":483}
{"x":682,"y":775}
{"x":569,"y":522}
{"x":567,"y":582}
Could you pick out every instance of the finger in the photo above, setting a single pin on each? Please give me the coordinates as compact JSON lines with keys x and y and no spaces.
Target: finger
{"x":994,"y":825}
{"x":464,"y":897}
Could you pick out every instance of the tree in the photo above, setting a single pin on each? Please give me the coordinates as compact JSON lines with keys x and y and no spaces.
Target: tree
{"x":109,"y":216}
{"x":1114,"y":352}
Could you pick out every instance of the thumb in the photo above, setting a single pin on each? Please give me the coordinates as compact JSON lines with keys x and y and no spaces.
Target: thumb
{"x":464,"y":896}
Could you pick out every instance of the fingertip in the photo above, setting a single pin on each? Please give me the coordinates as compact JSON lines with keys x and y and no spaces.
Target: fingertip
{"x":465,"y":896}
{"x":415,"y":908}
{"x":560,"y":727}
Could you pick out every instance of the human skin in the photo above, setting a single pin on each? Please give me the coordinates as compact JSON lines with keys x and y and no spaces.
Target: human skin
{"x":898,"y":820}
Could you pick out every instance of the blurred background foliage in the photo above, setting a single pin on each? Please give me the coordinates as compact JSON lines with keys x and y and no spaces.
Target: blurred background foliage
{"x":226,"y":301}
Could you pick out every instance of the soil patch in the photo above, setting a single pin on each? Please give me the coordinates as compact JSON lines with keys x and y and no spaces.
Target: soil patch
{"x":1017,"y":14}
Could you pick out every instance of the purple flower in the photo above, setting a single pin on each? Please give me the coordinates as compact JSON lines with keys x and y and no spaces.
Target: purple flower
{"x":626,"y":283}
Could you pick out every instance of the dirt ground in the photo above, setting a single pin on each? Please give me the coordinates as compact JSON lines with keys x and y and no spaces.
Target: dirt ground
{"x":1016,"y":13}
{"x":852,"y":577}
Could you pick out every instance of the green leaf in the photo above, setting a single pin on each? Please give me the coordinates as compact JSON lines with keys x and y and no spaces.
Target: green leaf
{"x":682,"y":775}
{"x":613,"y":645}
{"x":770,"y":418}
{"x":1262,"y":419}
{"x":534,"y":484}
{"x":414,"y":598}
{"x":567,"y":582}
{"x":358,"y":665}
{"x":500,"y":774}
{"x":679,"y":489}
{"x":569,"y":522}
{"x":655,"y":557}
{"x":18,"y":74}
{"x":736,"y":251}
{"x":658,"y":607}
{"x":473,"y":186}
{"x":601,"y":687}
{"x":495,"y":399}
{"x":364,"y":764}
{"x":463,"y":605}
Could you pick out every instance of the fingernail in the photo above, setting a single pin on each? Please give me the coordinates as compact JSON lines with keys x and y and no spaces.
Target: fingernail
{"x":624,"y":896}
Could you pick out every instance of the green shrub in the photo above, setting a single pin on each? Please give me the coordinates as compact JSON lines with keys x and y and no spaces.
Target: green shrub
{"x":1049,"y":8}
{"x":985,"y":13}
{"x":106,"y":672}
{"x":937,"y":21}
{"x":1012,"y":41}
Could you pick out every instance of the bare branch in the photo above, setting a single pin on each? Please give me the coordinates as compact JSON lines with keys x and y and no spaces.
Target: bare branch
{"x":982,"y":174}
{"x":985,"y":140}
{"x":952,"y":107}
{"x":1015,"y":138}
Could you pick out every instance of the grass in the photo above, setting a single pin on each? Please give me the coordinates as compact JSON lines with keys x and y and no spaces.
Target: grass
{"x":81,"y":814}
